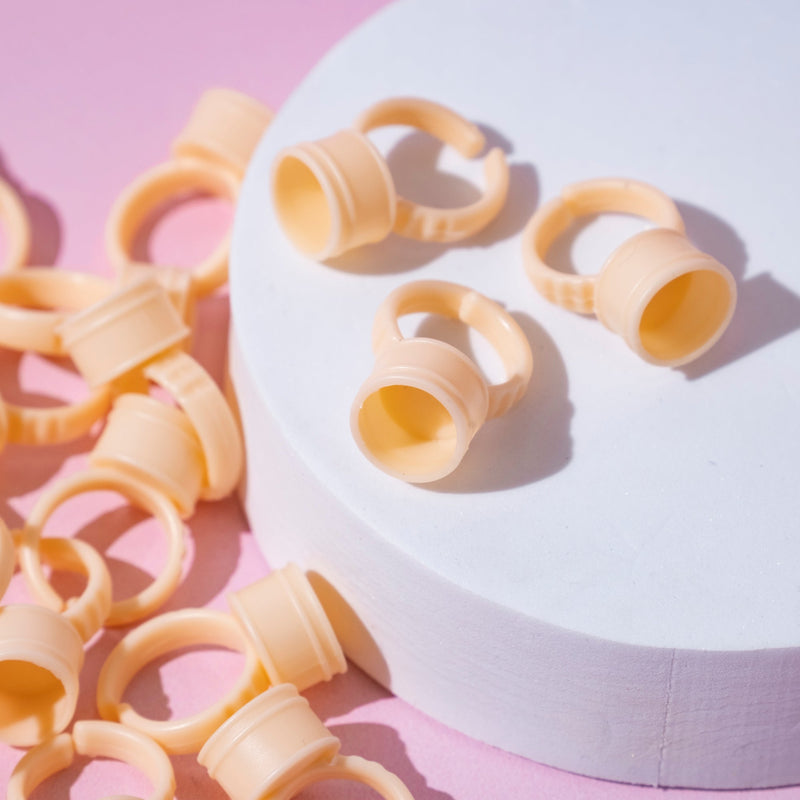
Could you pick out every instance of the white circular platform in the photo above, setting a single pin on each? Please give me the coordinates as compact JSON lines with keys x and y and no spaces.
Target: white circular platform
{"x":610,"y":581}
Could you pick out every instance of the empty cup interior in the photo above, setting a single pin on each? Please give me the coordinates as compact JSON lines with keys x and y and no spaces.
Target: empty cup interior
{"x":685,"y":315}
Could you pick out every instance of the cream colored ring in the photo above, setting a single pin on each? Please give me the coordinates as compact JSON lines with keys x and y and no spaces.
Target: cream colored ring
{"x":165,"y":634}
{"x":17,"y":226}
{"x":28,"y":303}
{"x":153,"y":188}
{"x":199,"y":396}
{"x":23,"y":328}
{"x":133,"y":608}
{"x":430,"y":224}
{"x":94,"y":739}
{"x":8,"y":557}
{"x":613,"y":195}
{"x":88,"y":612}
{"x":474,"y":309}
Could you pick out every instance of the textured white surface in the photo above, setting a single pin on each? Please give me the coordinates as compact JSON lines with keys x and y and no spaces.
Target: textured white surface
{"x":611,"y":574}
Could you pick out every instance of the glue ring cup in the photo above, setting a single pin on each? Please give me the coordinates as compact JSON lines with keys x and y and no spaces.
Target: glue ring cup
{"x":53,"y":295}
{"x":336,"y":194}
{"x":211,"y":155}
{"x":288,"y":627}
{"x":669,"y":301}
{"x":159,"y":636}
{"x":154,"y":444}
{"x":17,"y":228}
{"x":130,"y":609}
{"x":94,"y":739}
{"x":41,"y":651}
{"x":416,"y":414}
{"x":276,"y":746}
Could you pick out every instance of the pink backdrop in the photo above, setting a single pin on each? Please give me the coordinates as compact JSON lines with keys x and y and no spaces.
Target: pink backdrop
{"x":91,"y":95}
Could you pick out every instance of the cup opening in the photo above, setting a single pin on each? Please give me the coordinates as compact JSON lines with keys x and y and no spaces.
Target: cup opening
{"x":302,"y":205}
{"x":33,"y":702}
{"x":685,"y":316}
{"x":409,"y":432}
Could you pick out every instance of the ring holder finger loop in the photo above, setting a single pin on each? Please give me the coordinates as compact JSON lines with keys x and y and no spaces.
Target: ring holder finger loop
{"x":94,"y":739}
{"x":416,"y":414}
{"x":669,"y":301}
{"x":125,"y":611}
{"x":41,"y":651}
{"x":210,"y":155}
{"x":165,"y":634}
{"x":28,"y":321}
{"x":276,"y":745}
{"x":278,"y":623}
{"x":337,"y":193}
{"x":17,"y":227}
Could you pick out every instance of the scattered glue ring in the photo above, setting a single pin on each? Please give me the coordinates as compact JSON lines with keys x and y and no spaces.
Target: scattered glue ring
{"x":275,"y":746}
{"x":17,"y":227}
{"x":41,"y":651}
{"x":8,"y":558}
{"x":94,"y":739}
{"x":195,"y":391}
{"x":165,"y":634}
{"x":54,"y":295}
{"x":133,"y":608}
{"x":336,"y":194}
{"x":210,"y":155}
{"x":669,"y":301}
{"x":416,"y":414}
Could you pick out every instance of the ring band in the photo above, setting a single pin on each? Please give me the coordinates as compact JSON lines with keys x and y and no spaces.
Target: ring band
{"x":17,"y":226}
{"x":94,"y":739}
{"x":133,"y":608}
{"x":165,"y":634}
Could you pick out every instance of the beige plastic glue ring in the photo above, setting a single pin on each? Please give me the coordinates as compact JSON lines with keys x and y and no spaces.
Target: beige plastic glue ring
{"x":41,"y":651}
{"x":165,"y":634}
{"x":275,"y":746}
{"x":282,"y":629}
{"x":94,"y":739}
{"x":130,"y":609}
{"x":17,"y":227}
{"x":33,"y":303}
{"x":336,"y":194}
{"x":669,"y":301}
{"x":8,"y":557}
{"x":416,"y":414}
{"x":210,"y":155}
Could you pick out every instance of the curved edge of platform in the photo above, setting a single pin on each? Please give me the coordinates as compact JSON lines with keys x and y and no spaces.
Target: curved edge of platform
{"x":654,"y":716}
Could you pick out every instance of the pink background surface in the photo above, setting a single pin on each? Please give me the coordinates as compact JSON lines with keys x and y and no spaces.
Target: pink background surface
{"x":91,"y":95}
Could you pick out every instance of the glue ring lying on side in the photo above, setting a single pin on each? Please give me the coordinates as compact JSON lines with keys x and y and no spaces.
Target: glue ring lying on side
{"x":278,"y":623}
{"x":41,"y":651}
{"x":275,"y":746}
{"x":337,"y":193}
{"x":669,"y":301}
{"x":53,"y":294}
{"x":209,"y":155}
{"x":122,"y":611}
{"x":17,"y":228}
{"x":94,"y":739}
{"x":416,"y":414}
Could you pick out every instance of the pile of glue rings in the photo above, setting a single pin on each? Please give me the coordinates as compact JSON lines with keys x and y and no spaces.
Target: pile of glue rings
{"x":413,"y":417}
